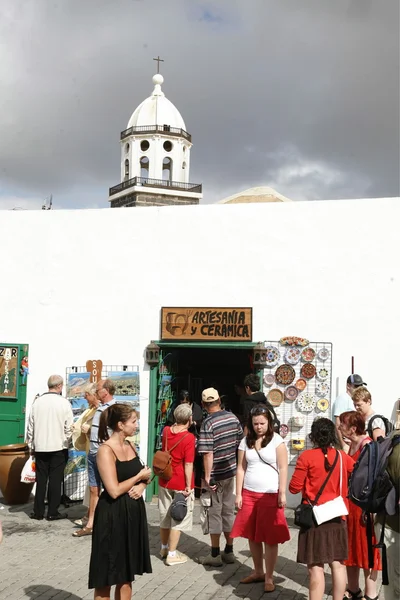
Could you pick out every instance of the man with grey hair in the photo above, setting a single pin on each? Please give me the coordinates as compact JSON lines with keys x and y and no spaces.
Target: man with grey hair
{"x":48,"y":434}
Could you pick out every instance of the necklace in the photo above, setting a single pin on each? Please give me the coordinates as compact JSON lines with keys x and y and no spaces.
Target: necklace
{"x":174,"y":426}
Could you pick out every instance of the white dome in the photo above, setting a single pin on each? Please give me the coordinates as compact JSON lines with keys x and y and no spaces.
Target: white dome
{"x":157,"y":110}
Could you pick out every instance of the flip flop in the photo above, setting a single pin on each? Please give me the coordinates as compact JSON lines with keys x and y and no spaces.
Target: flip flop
{"x":253,"y":578}
{"x":83,"y":532}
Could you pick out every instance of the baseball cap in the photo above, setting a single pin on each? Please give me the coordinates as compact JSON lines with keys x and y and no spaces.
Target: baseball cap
{"x":355,"y":380}
{"x":209,"y":395}
{"x":178,"y":509}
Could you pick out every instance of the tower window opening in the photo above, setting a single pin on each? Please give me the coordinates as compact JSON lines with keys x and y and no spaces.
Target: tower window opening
{"x":144,"y":145}
{"x":127,"y":148}
{"x":144,"y":166}
{"x":183,"y":165}
{"x":126,"y":176}
{"x":167,"y":169}
{"x":167,"y":145}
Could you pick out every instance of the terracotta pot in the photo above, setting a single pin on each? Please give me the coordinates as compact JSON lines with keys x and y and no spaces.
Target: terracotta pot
{"x":12,"y":459}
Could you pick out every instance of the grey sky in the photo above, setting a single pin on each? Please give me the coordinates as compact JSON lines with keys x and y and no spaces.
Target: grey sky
{"x":299,"y":95}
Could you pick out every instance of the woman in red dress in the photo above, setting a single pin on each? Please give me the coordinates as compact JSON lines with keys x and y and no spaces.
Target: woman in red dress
{"x":261,"y":494}
{"x":352,"y":427}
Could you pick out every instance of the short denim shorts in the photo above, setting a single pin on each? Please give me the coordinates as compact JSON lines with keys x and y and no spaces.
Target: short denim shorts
{"x":93,"y":472}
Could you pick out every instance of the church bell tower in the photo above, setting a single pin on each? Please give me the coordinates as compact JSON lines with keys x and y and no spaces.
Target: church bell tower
{"x":155,"y":156}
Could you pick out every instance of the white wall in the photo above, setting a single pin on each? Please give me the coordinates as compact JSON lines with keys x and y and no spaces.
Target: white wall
{"x":89,"y":284}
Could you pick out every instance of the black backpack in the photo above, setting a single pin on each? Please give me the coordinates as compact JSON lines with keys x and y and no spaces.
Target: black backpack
{"x":388,"y":425}
{"x":371,"y":488}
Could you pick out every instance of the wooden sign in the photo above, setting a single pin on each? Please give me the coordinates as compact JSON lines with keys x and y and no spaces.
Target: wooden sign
{"x":206,"y":324}
{"x":94,"y":367}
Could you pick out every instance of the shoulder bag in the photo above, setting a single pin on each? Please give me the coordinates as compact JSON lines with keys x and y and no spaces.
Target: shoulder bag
{"x":304,"y":513}
{"x":333,"y":508}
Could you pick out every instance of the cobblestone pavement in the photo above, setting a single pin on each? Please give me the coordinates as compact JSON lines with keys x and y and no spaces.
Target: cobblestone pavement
{"x":41,"y":560}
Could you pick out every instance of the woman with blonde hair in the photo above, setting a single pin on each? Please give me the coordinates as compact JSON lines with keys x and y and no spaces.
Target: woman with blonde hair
{"x":81,"y":442}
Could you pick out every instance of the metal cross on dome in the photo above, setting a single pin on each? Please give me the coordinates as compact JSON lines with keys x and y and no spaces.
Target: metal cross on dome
{"x":158,"y":60}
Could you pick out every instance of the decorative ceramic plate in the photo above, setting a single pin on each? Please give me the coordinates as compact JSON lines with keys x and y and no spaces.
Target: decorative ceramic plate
{"x":323,"y":354}
{"x":308,"y":354}
{"x":308,"y":371}
{"x":306,"y":402}
{"x":272,"y":356}
{"x":283,"y":430}
{"x":285,"y":374}
{"x":322,"y":389}
{"x":291,"y":393}
{"x":292,"y":355}
{"x":322,"y":404}
{"x":275,"y":397}
{"x":269,"y":379}
{"x":322,"y":374}
{"x":292,"y":340}
{"x":301,"y":384}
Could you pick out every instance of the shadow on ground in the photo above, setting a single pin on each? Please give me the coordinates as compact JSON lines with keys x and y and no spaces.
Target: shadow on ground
{"x":37,"y":591}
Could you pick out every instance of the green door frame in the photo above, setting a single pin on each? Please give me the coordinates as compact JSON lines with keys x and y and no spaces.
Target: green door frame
{"x":153,"y":390}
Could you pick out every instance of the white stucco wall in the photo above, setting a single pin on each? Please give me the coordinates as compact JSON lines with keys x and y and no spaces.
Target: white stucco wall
{"x":90,"y":283}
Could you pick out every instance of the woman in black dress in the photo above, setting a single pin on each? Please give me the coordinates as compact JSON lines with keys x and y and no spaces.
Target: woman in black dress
{"x":120,"y":542}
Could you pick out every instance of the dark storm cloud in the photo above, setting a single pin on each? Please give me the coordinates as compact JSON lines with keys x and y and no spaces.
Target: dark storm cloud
{"x":302,"y":96}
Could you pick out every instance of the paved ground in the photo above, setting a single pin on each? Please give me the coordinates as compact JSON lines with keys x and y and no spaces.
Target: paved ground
{"x":41,"y":560}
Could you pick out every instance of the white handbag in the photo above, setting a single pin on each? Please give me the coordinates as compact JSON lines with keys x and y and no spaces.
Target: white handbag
{"x":334,"y":508}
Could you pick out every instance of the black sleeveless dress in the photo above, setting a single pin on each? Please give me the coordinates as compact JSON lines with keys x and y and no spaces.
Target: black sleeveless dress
{"x":120,"y":540}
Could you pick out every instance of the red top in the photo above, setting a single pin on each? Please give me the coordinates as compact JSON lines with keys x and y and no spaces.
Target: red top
{"x":183,"y":453}
{"x":310,"y":474}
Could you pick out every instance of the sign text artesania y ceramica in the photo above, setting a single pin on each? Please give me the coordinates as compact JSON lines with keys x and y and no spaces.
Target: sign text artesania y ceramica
{"x":206,"y":323}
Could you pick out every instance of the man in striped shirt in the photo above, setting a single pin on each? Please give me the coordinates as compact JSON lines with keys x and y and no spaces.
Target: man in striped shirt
{"x":220,"y":436}
{"x":105,"y":390}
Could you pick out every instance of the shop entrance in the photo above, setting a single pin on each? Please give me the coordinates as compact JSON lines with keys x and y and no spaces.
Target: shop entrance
{"x":194,"y":367}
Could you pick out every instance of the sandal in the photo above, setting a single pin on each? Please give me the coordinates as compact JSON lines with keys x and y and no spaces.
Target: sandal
{"x":369,"y":597}
{"x":253,"y":578}
{"x":269,"y":587}
{"x":83,"y":532}
{"x":354,"y":595}
{"x":81,"y":522}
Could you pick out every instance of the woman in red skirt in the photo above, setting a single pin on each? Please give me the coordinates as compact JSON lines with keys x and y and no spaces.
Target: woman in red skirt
{"x":261,"y":494}
{"x":352,"y":427}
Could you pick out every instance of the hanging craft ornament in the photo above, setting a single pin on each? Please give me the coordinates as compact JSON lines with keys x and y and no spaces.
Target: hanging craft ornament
{"x":307,"y":371}
{"x":322,"y":404}
{"x":308,"y":354}
{"x":272,"y":356}
{"x":285,"y":375}
{"x":275,"y":397}
{"x":293,"y":341}
{"x":322,"y":374}
{"x":292,"y":355}
{"x":297,"y":421}
{"x":323,"y":354}
{"x":298,"y":444}
{"x":283,"y":430}
{"x":291,"y":393}
{"x":269,"y":379}
{"x":322,"y":389}
{"x":301,"y":384}
{"x":306,"y":402}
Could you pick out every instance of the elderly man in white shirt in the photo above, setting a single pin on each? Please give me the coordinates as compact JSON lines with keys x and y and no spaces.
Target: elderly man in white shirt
{"x":48,"y":434}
